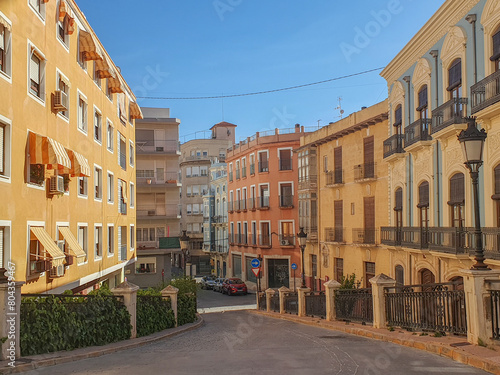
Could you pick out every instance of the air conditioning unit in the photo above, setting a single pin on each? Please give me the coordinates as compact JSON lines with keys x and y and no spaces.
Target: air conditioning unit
{"x":57,"y":271}
{"x":60,"y":101}
{"x":284,"y":243}
{"x":56,"y":184}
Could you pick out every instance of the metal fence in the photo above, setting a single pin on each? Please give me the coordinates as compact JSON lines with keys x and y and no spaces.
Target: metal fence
{"x":275,"y":302}
{"x":316,"y":304}
{"x":291,"y":303}
{"x":431,"y":307}
{"x":354,"y":305}
{"x":495,"y":313}
{"x":262,"y":301}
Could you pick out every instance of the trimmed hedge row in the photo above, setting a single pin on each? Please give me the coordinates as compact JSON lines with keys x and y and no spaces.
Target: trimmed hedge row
{"x":153,"y":313}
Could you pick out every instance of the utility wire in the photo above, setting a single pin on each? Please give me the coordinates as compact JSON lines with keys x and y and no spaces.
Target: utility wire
{"x":260,"y":92}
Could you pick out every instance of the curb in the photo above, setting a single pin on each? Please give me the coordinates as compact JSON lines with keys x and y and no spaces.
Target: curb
{"x":442,"y":350}
{"x":56,"y":358}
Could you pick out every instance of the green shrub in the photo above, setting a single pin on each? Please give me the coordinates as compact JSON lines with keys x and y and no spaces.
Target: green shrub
{"x":186,"y":308}
{"x":185,"y":285}
{"x":154,"y":314}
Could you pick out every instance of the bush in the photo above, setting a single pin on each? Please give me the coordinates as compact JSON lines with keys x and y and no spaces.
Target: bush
{"x":52,"y":323}
{"x":154,"y":314}
{"x":186,"y":308}
{"x":185,"y":285}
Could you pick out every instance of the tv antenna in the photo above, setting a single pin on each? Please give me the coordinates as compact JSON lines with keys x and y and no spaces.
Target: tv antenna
{"x":339,"y":108}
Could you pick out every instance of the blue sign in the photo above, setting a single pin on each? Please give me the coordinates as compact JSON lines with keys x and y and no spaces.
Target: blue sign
{"x":294,"y":266}
{"x":255,"y":263}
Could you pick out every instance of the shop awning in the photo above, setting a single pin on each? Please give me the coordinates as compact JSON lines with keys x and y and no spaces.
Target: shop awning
{"x":135,"y":110}
{"x":80,"y":165}
{"x":49,"y":245}
{"x":104,"y":68}
{"x":45,"y":150}
{"x":89,"y":47}
{"x":115,"y":85}
{"x":73,"y":244}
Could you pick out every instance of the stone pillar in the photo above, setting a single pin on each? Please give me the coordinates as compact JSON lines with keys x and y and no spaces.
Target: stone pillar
{"x":269,"y":293}
{"x":380,"y":282}
{"x":479,"y":325}
{"x":10,"y":327}
{"x":282,"y":292}
{"x":330,"y":288}
{"x":129,"y":293}
{"x":171,"y":292}
{"x":302,"y":300}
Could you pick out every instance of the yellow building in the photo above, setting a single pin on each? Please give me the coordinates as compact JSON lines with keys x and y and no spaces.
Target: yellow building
{"x":447,"y":72}
{"x":67,"y":151}
{"x":343,"y":198}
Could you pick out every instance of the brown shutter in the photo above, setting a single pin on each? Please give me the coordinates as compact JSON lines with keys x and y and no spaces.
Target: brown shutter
{"x":455,"y":75}
{"x":457,"y":189}
{"x":337,"y":154}
{"x":423,"y":195}
{"x":496,"y":47}
{"x":422,"y":98}
{"x":497,"y":183}
{"x":369,"y":212}
{"x":338,"y":214}
{"x":399,"y":200}
{"x":398,"y":116}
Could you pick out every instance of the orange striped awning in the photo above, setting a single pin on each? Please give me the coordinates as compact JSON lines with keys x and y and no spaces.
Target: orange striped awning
{"x":63,"y":10}
{"x":115,"y":85}
{"x":135,"y":110}
{"x":49,"y":245}
{"x":104,"y":68}
{"x":4,"y":23}
{"x":89,"y":47}
{"x":80,"y":166}
{"x":45,"y":150}
{"x":73,"y":244}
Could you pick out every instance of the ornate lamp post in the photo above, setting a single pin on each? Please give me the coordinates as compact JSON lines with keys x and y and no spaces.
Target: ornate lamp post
{"x":184,"y":240}
{"x":302,"y":237}
{"x":472,"y":141}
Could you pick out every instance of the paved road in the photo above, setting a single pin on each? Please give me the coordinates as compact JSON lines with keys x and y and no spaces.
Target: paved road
{"x":239,"y":342}
{"x":211,"y":299}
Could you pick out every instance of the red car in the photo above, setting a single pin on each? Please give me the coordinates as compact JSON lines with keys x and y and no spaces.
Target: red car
{"x":234,"y":286}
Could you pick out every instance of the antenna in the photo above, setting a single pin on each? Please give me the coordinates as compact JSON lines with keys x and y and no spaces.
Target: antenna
{"x":339,"y":108}
{"x":318,"y":123}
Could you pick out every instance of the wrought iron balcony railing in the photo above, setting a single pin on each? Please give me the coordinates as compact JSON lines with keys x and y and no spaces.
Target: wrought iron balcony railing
{"x":486,"y":92}
{"x":452,"y":112}
{"x":418,"y":131}
{"x":365,"y":171}
{"x":334,"y":234}
{"x":335,"y":177}
{"x":393,"y":145}
{"x":364,"y":235}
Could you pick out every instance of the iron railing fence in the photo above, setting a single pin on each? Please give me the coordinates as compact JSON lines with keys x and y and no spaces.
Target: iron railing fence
{"x":275,"y":302}
{"x":316,"y":304}
{"x":495,"y":313}
{"x":291,"y":303}
{"x":335,"y":177}
{"x":364,"y":236}
{"x":394,"y":145}
{"x":449,"y":113}
{"x":486,"y":92}
{"x":354,"y":305}
{"x":429,"y":307}
{"x":365,"y":171}
{"x":262,"y":301}
{"x":418,"y":131}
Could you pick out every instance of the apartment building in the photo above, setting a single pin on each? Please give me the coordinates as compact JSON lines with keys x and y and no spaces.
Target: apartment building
{"x":67,"y":151}
{"x":197,"y":156}
{"x":263,"y":207}
{"x":158,"y":197}
{"x":447,"y":72}
{"x":215,"y":226}
{"x":342,"y":188}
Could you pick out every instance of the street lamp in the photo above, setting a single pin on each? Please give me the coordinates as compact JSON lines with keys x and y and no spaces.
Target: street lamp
{"x":302,"y":236}
{"x":184,"y":240}
{"x":472,"y":140}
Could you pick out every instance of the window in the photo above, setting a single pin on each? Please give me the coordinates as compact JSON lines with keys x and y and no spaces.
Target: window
{"x":265,"y":234}
{"x":496,"y":196}
{"x":5,"y":153}
{"x":369,"y":273}
{"x":82,"y":114}
{"x":339,"y":269}
{"x":325,"y":163}
{"x":455,"y":79}
{"x":400,"y":275}
{"x":188,"y":172}
{"x":109,"y":94}
{"x":5,"y":49}
{"x":254,"y":233}
{"x":338,"y":217}
{"x":146,"y":265}
{"x":132,"y":195}
{"x":457,"y":200}
{"x":285,"y":160}
{"x":122,"y":197}
{"x":423,"y":109}
{"x":189,"y":209}
{"x":196,"y":190}
{"x":337,"y":165}
{"x":287,"y":234}
{"x":36,"y":82}
{"x":111,"y":240}
{"x":398,"y":207}
{"x":121,"y":151}
{"x":132,"y":237}
{"x":110,"y":136}
{"x":423,"y":204}
{"x":131,"y":154}
{"x":82,"y":238}
{"x":195,"y":171}
{"x":264,"y":196}
{"x":263,"y":162}
{"x":39,"y":7}
{"x":286,"y":195}
{"x":97,"y":241}
{"x":111,"y":188}
{"x":4,"y":243}
{"x":82,"y":186}
{"x":81,"y":55}
{"x":398,"y":120}
{"x":97,"y":78}
{"x":98,"y":183}
{"x":36,"y":255}
{"x":204,"y":170}
{"x":369,"y":157}
{"x":63,"y":86}
{"x":62,"y":26}
{"x":97,"y":126}
{"x":248,"y":267}
{"x":496,"y":50}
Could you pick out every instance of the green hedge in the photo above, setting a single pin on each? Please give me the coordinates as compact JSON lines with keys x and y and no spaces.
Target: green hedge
{"x":52,"y":323}
{"x":186,"y":308}
{"x":153,"y":313}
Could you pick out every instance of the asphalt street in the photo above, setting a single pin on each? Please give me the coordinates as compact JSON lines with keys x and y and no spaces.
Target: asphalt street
{"x":211,"y":299}
{"x":239,"y":342}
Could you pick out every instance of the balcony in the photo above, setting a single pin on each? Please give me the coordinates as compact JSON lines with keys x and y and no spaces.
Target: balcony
{"x":486,"y":92}
{"x":252,"y":169}
{"x":122,"y":207}
{"x":243,"y":204}
{"x":287,"y":240}
{"x":123,"y":160}
{"x":285,"y":164}
{"x":263,"y":203}
{"x":453,"y":112}
{"x":251,"y":204}
{"x":243,"y":172}
{"x":265,"y":240}
{"x":365,"y":171}
{"x":286,"y":201}
{"x":334,"y":235}
{"x":394,"y":145}
{"x":263,"y":166}
{"x":154,"y":147}
{"x":150,"y":179}
{"x":364,"y":236}
{"x":308,"y":182}
{"x":237,"y":174}
{"x":418,"y":132}
{"x":156,"y":212}
{"x":335,"y":177}
{"x":230,"y":207}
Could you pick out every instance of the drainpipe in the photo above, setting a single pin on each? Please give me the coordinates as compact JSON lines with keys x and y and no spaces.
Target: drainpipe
{"x":472,"y":18}
{"x":407,"y":79}
{"x":435,"y":53}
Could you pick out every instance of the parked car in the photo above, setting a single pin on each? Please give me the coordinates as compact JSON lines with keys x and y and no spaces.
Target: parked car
{"x":218,"y":284}
{"x":207,"y":282}
{"x":234,"y":285}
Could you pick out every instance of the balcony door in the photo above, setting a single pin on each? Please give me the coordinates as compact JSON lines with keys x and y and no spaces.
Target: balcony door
{"x":423,"y":206}
{"x":369,"y":219}
{"x":496,"y":50}
{"x":338,"y":217}
{"x":369,"y":157}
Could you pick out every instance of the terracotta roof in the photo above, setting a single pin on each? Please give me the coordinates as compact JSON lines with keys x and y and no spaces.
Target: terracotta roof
{"x":223,"y":123}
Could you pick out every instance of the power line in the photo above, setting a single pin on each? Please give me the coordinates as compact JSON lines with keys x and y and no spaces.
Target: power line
{"x":260,"y":92}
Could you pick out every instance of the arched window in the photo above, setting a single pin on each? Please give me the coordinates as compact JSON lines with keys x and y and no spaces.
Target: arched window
{"x":496,"y":50}
{"x":400,"y":275}
{"x":455,"y":79}
{"x":398,"y":212}
{"x":423,"y":206}
{"x":496,"y":196}
{"x":457,"y":200}
{"x":398,"y":119}
{"x":423,"y":107}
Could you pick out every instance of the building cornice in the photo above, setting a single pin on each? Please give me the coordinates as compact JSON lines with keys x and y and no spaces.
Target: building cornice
{"x":448,"y":15}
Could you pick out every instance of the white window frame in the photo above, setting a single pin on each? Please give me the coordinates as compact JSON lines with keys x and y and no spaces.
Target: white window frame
{"x":96,"y":256}
{"x":110,"y":141}
{"x":7,"y":242}
{"x":7,"y":72}
{"x":61,"y":114}
{"x":131,"y":151}
{"x":283,"y":183}
{"x":97,"y":111}
{"x":132,"y":237}
{"x":65,"y":42}
{"x":40,"y":14}
{"x":33,"y":50}
{"x":86,"y":180}
{"x":110,"y":255}
{"x":7,"y":152}
{"x":110,"y":187}
{"x":98,"y":183}
{"x":132,"y":194}
{"x":81,"y":62}
{"x":85,"y":123}
{"x":84,"y":245}
{"x":258,"y":160}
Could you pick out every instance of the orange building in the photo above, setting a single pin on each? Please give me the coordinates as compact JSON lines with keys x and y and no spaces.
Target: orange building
{"x":263,"y":208}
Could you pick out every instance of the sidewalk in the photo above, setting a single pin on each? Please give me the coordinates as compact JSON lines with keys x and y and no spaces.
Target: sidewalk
{"x":50,"y":359}
{"x":454,"y":347}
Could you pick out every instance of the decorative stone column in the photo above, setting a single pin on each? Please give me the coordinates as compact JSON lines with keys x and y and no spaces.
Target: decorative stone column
{"x":171,"y":292}
{"x":269,"y":293}
{"x":10,"y":327}
{"x":330,"y":288}
{"x":282,"y":292}
{"x":129,"y":293}
{"x":479,"y":319}
{"x":380,"y":282}
{"x":302,"y":300}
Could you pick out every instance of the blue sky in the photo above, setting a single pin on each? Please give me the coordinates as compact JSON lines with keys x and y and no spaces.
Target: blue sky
{"x":189,"y":48}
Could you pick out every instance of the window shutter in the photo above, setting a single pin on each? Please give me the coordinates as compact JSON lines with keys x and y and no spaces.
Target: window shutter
{"x":423,"y":195}
{"x":399,"y":200}
{"x":496,"y":47}
{"x":368,"y":150}
{"x":119,"y":237}
{"x":2,"y":149}
{"x":2,"y":37}
{"x":398,"y":116}
{"x":338,"y":214}
{"x":35,"y":68}
{"x":455,"y":75}
{"x":422,"y":98}
{"x":2,"y":229}
{"x":497,"y":183}
{"x":369,"y":212}
{"x":337,"y":155}
{"x":457,"y":189}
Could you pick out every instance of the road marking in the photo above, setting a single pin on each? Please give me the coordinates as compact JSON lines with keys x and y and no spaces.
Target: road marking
{"x":226,"y":308}
{"x":451,"y":370}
